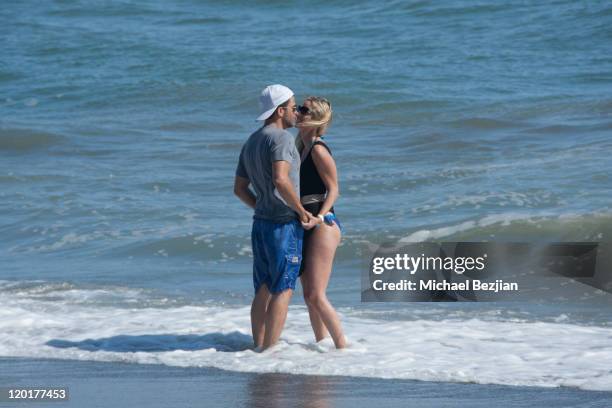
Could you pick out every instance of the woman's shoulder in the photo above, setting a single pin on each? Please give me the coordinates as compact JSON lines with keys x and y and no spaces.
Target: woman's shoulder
{"x":320,"y":143}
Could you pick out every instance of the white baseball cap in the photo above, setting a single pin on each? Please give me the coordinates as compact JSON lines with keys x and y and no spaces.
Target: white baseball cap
{"x":271,"y":97}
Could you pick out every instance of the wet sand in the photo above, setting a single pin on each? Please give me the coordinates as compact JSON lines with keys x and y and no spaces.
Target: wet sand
{"x":96,"y":384}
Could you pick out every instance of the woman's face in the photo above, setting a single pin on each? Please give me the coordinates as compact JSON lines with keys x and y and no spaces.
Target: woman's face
{"x":304,"y":117}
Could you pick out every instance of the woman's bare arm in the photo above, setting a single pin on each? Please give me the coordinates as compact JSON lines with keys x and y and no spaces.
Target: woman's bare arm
{"x":326,"y":166}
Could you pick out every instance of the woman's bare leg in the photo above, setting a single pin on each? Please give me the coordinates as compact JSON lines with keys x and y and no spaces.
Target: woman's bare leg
{"x":320,"y":254}
{"x":318,"y":327}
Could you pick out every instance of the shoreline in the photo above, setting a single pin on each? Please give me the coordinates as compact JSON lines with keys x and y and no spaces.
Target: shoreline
{"x":102,"y":384}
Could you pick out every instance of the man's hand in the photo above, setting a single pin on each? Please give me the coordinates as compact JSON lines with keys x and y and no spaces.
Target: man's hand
{"x":312,"y":221}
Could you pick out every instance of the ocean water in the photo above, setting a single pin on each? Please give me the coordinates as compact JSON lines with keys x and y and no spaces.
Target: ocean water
{"x":121,"y":124}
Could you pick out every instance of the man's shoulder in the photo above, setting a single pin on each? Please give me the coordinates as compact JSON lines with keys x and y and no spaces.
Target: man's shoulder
{"x":270,"y":133}
{"x":269,"y":136}
{"x":253,"y":139}
{"x":254,"y":135}
{"x":275,"y":133}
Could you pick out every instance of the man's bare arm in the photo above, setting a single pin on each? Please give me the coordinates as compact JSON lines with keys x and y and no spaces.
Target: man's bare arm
{"x":241,"y":189}
{"x":282,"y":182}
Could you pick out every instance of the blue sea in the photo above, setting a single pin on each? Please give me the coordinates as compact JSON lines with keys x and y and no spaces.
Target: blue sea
{"x":120,"y":127}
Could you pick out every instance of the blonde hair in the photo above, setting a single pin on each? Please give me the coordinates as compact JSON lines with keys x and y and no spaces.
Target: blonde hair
{"x":320,"y":117}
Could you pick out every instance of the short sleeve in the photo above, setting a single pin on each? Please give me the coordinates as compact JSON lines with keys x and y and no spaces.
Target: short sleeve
{"x":283,"y":148}
{"x":241,"y":169}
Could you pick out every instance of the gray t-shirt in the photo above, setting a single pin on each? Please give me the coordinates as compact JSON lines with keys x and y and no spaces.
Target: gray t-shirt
{"x":266,"y":145}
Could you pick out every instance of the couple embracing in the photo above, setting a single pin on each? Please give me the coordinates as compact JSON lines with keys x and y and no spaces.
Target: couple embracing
{"x":295,"y":231}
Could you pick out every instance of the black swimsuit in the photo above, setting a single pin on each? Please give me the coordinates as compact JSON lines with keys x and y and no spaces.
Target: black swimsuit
{"x":311,"y":182}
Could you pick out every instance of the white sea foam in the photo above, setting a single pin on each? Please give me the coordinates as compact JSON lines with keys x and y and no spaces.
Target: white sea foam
{"x":427,"y":234}
{"x":511,"y":352}
{"x":565,"y":223}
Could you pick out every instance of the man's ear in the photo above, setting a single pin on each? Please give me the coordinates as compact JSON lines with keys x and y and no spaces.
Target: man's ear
{"x":276,"y":113}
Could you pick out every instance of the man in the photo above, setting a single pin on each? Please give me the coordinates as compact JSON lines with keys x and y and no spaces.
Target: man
{"x":270,"y":162}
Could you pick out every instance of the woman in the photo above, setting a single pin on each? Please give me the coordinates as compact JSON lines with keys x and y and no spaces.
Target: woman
{"x":318,"y":191}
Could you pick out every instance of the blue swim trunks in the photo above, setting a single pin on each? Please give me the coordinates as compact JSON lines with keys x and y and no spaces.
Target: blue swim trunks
{"x":277,"y":254}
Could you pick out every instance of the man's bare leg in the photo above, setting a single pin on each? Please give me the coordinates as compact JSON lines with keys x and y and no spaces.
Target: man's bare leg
{"x":276,"y":316}
{"x":258,"y":314}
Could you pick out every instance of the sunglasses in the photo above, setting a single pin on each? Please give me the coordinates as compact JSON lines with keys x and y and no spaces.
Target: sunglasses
{"x":294,"y":108}
{"x":303,"y":110}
